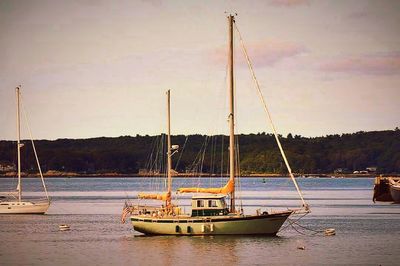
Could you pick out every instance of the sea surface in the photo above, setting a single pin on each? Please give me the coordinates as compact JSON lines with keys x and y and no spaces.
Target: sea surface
{"x":367,"y":233}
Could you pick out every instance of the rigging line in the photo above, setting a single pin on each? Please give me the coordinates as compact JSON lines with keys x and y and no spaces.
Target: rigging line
{"x":154,"y":160}
{"x":209,"y":171}
{"x":211,"y":166}
{"x":165,"y":157}
{"x":197,"y":159}
{"x":257,"y":85}
{"x":155,"y":180}
{"x":195,"y":165}
{"x":181,"y":153}
{"x":194,"y":162}
{"x":224,"y":93}
{"x":150,"y":158}
{"x":150,"y":163}
{"x":203,"y":153}
{"x":214,"y":170}
{"x":213,"y":158}
{"x":306,"y":228}
{"x":222,"y":156}
{"x":294,"y":228}
{"x":239,"y":183}
{"x":160,"y":164}
{"x":34,"y":150}
{"x":290,"y":222}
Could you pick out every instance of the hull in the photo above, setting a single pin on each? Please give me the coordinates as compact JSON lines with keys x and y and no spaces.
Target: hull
{"x":23,"y":207}
{"x":268,"y":224}
{"x":395,"y":193}
{"x":382,"y":192}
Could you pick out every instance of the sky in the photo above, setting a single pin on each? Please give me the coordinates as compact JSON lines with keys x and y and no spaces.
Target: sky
{"x":101,"y":68}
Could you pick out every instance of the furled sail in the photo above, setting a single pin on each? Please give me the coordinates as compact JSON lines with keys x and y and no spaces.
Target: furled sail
{"x":163,"y":197}
{"x":228,"y":188}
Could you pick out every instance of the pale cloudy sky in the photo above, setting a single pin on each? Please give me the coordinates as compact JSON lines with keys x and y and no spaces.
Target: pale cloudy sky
{"x":101,"y":68}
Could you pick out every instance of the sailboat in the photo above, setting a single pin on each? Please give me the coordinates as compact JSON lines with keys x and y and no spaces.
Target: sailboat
{"x":211,"y":214}
{"x":12,"y":202}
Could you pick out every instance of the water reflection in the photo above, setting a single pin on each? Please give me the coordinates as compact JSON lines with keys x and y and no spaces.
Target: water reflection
{"x":196,"y":250}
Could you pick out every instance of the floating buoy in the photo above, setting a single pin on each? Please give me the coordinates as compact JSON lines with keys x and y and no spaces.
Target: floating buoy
{"x":330,"y":232}
{"x":64,"y":227}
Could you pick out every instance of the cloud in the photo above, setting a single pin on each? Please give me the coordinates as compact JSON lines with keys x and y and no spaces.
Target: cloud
{"x":289,"y":3}
{"x":377,"y":64}
{"x":266,"y":53}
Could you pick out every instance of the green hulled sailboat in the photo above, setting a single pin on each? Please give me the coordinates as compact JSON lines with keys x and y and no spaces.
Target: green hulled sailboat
{"x":211,"y":214}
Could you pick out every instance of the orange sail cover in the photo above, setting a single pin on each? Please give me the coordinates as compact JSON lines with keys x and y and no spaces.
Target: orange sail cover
{"x":228,"y":188}
{"x":163,"y":197}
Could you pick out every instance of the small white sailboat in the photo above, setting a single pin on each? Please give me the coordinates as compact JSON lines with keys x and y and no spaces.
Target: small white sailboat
{"x":12,"y":202}
{"x":213,"y":212}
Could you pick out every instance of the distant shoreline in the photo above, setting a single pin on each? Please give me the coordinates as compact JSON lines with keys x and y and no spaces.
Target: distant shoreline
{"x":56,"y":174}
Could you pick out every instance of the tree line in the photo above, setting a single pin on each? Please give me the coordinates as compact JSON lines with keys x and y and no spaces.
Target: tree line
{"x":209,"y":154}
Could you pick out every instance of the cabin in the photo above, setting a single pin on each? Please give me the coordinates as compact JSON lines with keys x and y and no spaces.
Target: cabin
{"x":209,"y":205}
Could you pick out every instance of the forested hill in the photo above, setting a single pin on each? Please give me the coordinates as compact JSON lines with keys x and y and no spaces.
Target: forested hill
{"x":208,"y":154}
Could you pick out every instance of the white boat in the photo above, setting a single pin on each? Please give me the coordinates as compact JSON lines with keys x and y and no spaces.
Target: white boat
{"x":211,"y":214}
{"x":12,"y":202}
{"x":64,"y":227}
{"x":394,"y":188}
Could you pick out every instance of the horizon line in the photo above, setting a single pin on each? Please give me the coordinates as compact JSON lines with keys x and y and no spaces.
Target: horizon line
{"x":202,"y":134}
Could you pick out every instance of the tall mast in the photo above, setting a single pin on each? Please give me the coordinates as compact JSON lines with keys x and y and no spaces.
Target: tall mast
{"x":18,"y":145}
{"x":231,"y":20}
{"x":169,"y":149}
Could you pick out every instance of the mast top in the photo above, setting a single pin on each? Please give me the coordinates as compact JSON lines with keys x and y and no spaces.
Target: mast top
{"x":233,"y":14}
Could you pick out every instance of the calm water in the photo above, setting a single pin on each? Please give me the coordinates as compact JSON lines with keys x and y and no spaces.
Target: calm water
{"x":367,"y":233}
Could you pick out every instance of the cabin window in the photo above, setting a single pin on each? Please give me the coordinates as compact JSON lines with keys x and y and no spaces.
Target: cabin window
{"x":200,"y":203}
{"x":212,"y":203}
